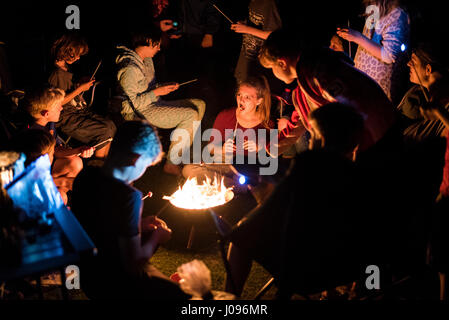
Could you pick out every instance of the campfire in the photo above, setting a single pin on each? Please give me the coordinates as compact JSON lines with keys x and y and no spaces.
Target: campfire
{"x":195,"y":196}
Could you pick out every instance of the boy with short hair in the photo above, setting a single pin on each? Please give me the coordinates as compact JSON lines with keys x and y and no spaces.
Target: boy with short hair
{"x":44,"y":107}
{"x":110,"y":209}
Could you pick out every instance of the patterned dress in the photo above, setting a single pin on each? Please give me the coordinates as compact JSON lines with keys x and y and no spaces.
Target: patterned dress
{"x":391,"y":32}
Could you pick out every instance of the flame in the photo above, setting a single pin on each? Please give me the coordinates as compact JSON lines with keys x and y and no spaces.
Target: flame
{"x":201,"y":196}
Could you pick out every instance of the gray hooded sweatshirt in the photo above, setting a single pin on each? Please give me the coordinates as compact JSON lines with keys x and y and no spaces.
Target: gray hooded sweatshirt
{"x":136,"y":80}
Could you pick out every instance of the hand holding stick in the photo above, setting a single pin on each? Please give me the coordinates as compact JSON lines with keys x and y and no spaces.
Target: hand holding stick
{"x":98,"y":144}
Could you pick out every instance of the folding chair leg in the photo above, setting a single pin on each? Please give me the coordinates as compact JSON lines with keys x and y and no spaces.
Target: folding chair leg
{"x":443,"y":286}
{"x":264,"y":289}
{"x":221,"y":244}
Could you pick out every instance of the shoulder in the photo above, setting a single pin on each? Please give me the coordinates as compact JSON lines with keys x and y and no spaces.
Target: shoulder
{"x":397,"y":16}
{"x":61,"y":79}
{"x":59,"y":73}
{"x":93,"y":177}
{"x":226,"y":116}
{"x":129,"y":68}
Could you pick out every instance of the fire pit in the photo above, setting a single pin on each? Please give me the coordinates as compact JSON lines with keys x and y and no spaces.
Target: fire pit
{"x":195,"y":196}
{"x":199,"y":198}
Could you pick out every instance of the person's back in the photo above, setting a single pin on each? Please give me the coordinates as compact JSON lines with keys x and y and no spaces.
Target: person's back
{"x":109,"y":209}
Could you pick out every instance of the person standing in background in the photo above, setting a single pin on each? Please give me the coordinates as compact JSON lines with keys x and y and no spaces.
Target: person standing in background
{"x":263,"y":18}
{"x":382,"y":45}
{"x":199,"y":23}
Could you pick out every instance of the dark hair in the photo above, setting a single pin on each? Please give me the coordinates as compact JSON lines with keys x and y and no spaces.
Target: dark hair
{"x":340,"y":125}
{"x":144,"y":36}
{"x":260,"y":83}
{"x":138,"y":137}
{"x":282,"y":43}
{"x":433,"y":54}
{"x":69,"y":46}
{"x":33,"y":143}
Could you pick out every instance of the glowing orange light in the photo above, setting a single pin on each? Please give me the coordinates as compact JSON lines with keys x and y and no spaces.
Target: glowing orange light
{"x":196,"y":196}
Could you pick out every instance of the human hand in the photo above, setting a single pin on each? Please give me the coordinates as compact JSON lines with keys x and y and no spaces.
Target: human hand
{"x":283,"y":123}
{"x":149,"y":222}
{"x":164,"y":90}
{"x":86,"y":85}
{"x":240,"y":27}
{"x":162,"y":233}
{"x":208,"y":41}
{"x":166,"y":25}
{"x":349,"y":34}
{"x":85,"y":151}
{"x":229,"y":146}
{"x":175,"y":36}
{"x":251,"y":146}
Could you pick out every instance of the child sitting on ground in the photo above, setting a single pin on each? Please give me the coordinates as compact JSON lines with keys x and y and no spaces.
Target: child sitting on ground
{"x":44,"y":107}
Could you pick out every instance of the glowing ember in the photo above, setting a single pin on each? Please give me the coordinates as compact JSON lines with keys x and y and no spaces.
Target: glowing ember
{"x":201,"y":196}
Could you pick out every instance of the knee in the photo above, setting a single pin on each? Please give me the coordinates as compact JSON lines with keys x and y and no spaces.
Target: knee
{"x":201,"y":106}
{"x":188,"y":171}
{"x":75,"y":165}
{"x":63,"y":196}
{"x":191,"y":115}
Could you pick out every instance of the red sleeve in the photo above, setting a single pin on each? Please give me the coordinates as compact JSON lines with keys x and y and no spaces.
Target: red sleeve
{"x":224,"y":121}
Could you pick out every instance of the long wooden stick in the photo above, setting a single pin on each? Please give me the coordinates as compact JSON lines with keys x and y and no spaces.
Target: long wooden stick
{"x":187,"y":82}
{"x":98,"y":144}
{"x":223,"y":13}
{"x":350,"y":48}
{"x":95,"y":72}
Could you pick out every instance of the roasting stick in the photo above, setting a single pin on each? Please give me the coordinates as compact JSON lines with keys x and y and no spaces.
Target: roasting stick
{"x":223,"y":14}
{"x":187,"y":82}
{"x":93,"y":76}
{"x":350,"y":47}
{"x":95,"y":72}
{"x":149,"y":195}
{"x":98,"y":144}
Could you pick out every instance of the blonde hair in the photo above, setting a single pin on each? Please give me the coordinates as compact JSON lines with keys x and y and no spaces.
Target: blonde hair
{"x":43,"y":99}
{"x":260,"y":83}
